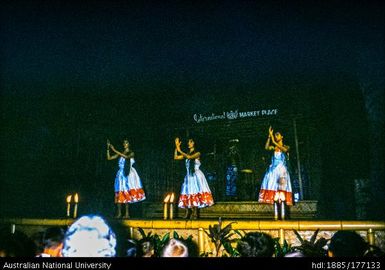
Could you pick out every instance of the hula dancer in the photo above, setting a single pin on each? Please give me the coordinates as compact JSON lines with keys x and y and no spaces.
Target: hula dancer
{"x":195,"y":192}
{"x":128,"y":186}
{"x":276,"y":186}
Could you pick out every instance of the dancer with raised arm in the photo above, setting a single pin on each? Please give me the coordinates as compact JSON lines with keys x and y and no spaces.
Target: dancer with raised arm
{"x":276,"y":186}
{"x":128,"y":186}
{"x":195,"y":192}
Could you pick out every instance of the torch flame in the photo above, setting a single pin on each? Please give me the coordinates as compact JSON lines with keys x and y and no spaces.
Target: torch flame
{"x":76,"y":198}
{"x":69,"y":197}
{"x":167,"y":198}
{"x":172,"y":198}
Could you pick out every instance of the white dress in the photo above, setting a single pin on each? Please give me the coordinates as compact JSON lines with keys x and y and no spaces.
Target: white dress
{"x":277,"y":178}
{"x":195,"y":191}
{"x":128,"y":189}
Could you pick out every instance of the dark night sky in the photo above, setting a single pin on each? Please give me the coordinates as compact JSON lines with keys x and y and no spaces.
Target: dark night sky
{"x":114,"y":65}
{"x":119,"y":44}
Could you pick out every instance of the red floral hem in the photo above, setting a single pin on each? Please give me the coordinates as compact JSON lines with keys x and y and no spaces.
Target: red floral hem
{"x":130,"y":196}
{"x":199,"y":200}
{"x":267,"y":196}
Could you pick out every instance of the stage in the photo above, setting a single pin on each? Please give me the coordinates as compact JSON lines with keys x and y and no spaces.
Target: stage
{"x":238,"y":210}
{"x":245,"y":216}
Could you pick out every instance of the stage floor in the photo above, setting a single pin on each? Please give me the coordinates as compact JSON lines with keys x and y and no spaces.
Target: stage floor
{"x":238,"y":210}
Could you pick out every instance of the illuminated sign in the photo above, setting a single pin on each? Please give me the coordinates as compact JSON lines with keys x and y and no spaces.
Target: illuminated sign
{"x":233,"y":115}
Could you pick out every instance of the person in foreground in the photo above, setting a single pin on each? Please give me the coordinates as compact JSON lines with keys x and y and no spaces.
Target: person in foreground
{"x":175,"y":248}
{"x":347,"y":244}
{"x":89,"y":236}
{"x":256,"y":244}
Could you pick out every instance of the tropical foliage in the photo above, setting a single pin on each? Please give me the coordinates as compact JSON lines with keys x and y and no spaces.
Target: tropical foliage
{"x":281,"y":250}
{"x":224,"y":239}
{"x":221,"y":237}
{"x":151,"y":245}
{"x":312,"y":247}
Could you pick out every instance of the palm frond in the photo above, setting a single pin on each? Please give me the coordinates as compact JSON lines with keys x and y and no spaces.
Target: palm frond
{"x":314,"y":236}
{"x":166,"y":237}
{"x":298,"y":236}
{"x":142,"y":233}
{"x":238,"y":232}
